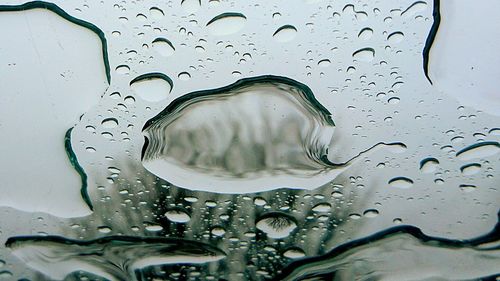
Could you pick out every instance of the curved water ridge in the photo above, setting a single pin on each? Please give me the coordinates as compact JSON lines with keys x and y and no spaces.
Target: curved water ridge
{"x":258,"y":134}
{"x":115,"y":258}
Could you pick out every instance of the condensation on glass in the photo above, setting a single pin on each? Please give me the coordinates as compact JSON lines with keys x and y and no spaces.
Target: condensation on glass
{"x":249,"y":140}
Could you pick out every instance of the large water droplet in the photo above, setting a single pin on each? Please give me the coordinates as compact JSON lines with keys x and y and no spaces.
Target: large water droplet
{"x":226,"y":23}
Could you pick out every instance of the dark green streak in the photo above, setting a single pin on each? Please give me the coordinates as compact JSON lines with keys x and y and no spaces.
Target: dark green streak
{"x":56,"y":9}
{"x":436,"y":14}
{"x":74,"y":162}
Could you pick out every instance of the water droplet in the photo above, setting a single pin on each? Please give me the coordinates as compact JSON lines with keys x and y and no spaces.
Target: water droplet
{"x":154,"y":227}
{"x":109,"y":123}
{"x":401,"y":182}
{"x":470,"y":169}
{"x":184,"y":76}
{"x":152,"y":87}
{"x":414,"y":8}
{"x":122,"y":69}
{"x":365,"y":33}
{"x":285,"y":33}
{"x":226,"y":24}
{"x":104,"y":229}
{"x":467,"y":187}
{"x":371,"y":213}
{"x":395,"y":37}
{"x":322,"y":207}
{"x":479,"y":150}
{"x":429,"y":165}
{"x":177,"y":215}
{"x":163,"y":46}
{"x":156,"y":13}
{"x":365,"y":54}
{"x":191,"y":6}
{"x":294,"y":253}
{"x":259,"y":201}
{"x":276,"y":224}
{"x":218,"y":231}
{"x":324,"y":63}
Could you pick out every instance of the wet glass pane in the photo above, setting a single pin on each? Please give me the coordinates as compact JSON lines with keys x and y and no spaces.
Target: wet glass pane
{"x":249,"y":140}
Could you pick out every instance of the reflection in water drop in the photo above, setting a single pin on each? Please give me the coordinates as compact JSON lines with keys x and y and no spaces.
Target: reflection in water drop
{"x":112,"y":257}
{"x":276,"y":224}
{"x":226,"y":24}
{"x":152,"y":87}
{"x":285,"y":33}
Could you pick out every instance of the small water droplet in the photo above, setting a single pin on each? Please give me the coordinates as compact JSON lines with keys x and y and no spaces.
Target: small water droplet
{"x":401,"y":182}
{"x":276,"y":224}
{"x":429,"y":165}
{"x":479,"y":150}
{"x":164,"y":47}
{"x":226,"y":24}
{"x":177,"y":215}
{"x":285,"y":33}
{"x":395,"y":37}
{"x":294,"y":253}
{"x":109,"y":123}
{"x":365,"y":54}
{"x":470,"y":169}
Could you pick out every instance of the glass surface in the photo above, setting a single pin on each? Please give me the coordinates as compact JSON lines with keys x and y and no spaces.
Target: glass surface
{"x":249,"y":140}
